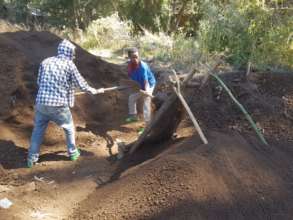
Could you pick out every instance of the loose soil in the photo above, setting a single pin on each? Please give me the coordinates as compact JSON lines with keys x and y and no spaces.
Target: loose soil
{"x":235,"y":176}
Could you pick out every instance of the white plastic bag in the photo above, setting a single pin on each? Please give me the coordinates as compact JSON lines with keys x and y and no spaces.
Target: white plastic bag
{"x":5,"y":203}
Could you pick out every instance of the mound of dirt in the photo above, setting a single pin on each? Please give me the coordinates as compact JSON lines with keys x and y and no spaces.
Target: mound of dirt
{"x":233,"y":177}
{"x":27,"y":49}
{"x":12,"y":71}
{"x":266,"y":96}
{"x":227,"y":179}
{"x":21,"y":53}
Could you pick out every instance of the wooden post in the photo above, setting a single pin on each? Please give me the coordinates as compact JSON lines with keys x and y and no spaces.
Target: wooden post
{"x":185,"y":105}
{"x":194,"y":121}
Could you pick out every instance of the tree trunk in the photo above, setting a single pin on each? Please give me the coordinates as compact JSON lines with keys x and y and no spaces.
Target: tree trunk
{"x":171,"y":13}
{"x":179,"y":16}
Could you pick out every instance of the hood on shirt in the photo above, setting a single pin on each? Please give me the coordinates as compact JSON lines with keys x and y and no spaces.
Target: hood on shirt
{"x":66,"y":49}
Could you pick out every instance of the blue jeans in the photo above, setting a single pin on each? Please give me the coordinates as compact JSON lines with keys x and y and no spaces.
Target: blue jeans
{"x":43,"y":115}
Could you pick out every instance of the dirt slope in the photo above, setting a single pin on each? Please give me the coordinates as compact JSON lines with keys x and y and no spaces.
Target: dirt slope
{"x":268,"y":98}
{"x":228,"y":179}
{"x":22,"y":53}
{"x":234,"y":177}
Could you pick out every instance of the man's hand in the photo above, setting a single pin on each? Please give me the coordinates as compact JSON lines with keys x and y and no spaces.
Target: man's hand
{"x":100,"y":90}
{"x":93,"y":91}
{"x":148,"y":94}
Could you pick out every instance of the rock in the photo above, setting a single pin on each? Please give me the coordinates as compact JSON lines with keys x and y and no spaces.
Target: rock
{"x":104,"y":179}
{"x":5,"y":203}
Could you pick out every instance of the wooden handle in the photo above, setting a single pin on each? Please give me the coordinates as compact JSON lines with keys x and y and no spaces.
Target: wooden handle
{"x":106,"y":89}
{"x":145,"y":93}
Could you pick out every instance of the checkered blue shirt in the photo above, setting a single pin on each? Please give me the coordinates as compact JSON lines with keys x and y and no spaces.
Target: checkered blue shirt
{"x":58,"y":77}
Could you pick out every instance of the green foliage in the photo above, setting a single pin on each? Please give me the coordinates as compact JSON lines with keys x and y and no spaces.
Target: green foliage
{"x":59,"y":13}
{"x":181,"y":52}
{"x":161,"y":15}
{"x":108,"y":32}
{"x":253,"y":31}
{"x":247,"y":33}
{"x":143,"y":13}
{"x":113,"y":34}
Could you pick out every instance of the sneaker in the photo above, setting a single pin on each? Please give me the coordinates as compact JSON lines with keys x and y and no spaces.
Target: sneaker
{"x":29,"y":163}
{"x":75,"y":156}
{"x":131,"y":119}
{"x":140,"y":131}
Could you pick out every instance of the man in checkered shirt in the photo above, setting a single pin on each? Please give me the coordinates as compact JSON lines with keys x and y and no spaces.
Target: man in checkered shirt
{"x":57,"y":79}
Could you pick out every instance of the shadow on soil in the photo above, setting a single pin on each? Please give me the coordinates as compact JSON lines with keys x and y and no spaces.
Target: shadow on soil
{"x":13,"y":156}
{"x":62,"y":155}
{"x":143,"y":153}
{"x":242,"y":208}
{"x":84,"y":167}
{"x":101,"y":131}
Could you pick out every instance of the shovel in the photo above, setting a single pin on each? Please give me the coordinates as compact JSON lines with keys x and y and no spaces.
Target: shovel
{"x":125,"y":84}
{"x":135,"y":87}
{"x":106,"y":89}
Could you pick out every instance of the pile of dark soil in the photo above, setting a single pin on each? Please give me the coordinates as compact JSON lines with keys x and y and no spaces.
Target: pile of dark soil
{"x":266,"y":96}
{"x":229,"y":178}
{"x":235,"y":176}
{"x":21,"y":54}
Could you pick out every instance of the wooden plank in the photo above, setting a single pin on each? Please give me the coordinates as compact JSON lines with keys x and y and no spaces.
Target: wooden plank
{"x":194,"y":121}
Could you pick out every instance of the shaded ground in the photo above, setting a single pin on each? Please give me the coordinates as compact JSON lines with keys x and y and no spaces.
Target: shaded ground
{"x":234,"y":177}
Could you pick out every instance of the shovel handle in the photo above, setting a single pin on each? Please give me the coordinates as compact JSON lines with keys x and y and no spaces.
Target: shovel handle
{"x":145,"y":93}
{"x":106,"y":89}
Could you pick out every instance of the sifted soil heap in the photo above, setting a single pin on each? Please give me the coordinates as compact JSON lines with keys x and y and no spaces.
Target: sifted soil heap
{"x":229,"y":178}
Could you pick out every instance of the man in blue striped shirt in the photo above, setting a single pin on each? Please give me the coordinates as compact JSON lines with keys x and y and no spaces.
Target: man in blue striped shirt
{"x":57,"y":79}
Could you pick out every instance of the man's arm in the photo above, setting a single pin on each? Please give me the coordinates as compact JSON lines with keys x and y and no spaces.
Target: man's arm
{"x":40,"y":73}
{"x":145,"y":77}
{"x":79,"y":82}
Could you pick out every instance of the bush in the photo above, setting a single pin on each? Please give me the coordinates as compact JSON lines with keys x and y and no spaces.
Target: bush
{"x":246,"y":34}
{"x":113,"y":34}
{"x":109,"y":32}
